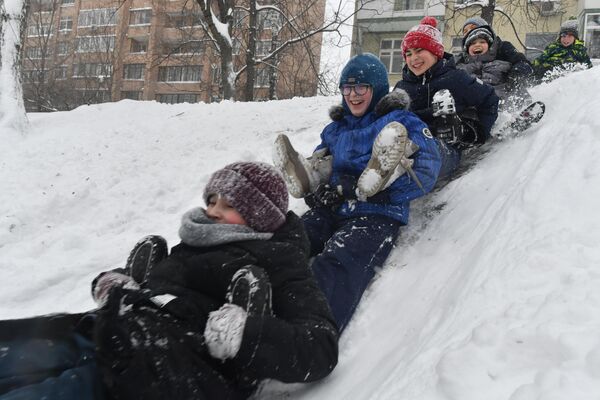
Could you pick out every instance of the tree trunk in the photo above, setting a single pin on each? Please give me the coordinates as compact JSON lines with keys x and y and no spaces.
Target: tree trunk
{"x":487,"y":12}
{"x":12,"y":26}
{"x":251,"y":53}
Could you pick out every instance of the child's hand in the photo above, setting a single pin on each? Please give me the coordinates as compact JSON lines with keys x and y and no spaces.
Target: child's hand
{"x":224,"y":331}
{"x":104,"y":282}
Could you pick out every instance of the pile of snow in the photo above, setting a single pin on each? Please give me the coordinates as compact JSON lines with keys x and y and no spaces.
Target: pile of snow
{"x":491,"y":293}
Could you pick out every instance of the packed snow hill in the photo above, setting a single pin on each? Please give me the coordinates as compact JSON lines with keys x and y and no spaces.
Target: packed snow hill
{"x":492,"y":290}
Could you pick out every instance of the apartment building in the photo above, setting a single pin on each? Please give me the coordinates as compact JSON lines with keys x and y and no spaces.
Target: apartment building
{"x":529,"y":24}
{"x":91,"y":51}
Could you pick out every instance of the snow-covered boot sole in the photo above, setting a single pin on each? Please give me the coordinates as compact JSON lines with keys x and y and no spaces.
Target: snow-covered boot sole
{"x":250,"y":289}
{"x":389,"y":148}
{"x":148,"y":252}
{"x":294,"y":172}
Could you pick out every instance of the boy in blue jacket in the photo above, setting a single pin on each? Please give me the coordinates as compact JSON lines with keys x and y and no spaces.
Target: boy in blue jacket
{"x":356,"y":214}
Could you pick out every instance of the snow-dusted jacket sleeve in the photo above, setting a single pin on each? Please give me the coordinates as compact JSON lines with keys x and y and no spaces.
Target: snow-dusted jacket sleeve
{"x":299,"y":342}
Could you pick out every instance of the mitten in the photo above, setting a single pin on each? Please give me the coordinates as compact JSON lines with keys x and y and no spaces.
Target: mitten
{"x":224,"y":331}
{"x":104,"y":282}
{"x":398,"y":99}
{"x":324,"y":196}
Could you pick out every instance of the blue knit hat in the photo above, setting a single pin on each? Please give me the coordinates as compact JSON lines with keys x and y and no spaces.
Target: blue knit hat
{"x":366,"y":68}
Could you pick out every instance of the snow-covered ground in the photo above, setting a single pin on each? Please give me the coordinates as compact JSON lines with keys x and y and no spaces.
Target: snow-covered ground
{"x":493,"y":291}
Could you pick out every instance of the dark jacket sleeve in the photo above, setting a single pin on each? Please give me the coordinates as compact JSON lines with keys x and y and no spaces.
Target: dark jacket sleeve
{"x":508,"y":52}
{"x":473,"y":93}
{"x":299,"y":342}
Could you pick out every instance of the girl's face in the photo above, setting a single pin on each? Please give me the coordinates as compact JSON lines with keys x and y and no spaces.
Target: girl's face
{"x":419,"y":60}
{"x":567,"y":39}
{"x":221,"y":212}
{"x":479,"y":46}
{"x":358,"y":98}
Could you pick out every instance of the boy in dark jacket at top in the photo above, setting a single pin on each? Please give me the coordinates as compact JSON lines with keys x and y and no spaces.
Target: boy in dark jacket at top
{"x":510,"y":77}
{"x":567,"y":49}
{"x":457,"y":108}
{"x":199,"y":323}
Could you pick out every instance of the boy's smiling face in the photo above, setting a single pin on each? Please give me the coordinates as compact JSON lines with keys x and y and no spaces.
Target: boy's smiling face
{"x":419,"y":60}
{"x":567,"y":39}
{"x":478,"y":46}
{"x":358,"y":104}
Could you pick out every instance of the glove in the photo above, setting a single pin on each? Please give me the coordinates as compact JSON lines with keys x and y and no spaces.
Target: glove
{"x":224,"y":331}
{"x":102,"y":285}
{"x":324,"y":196}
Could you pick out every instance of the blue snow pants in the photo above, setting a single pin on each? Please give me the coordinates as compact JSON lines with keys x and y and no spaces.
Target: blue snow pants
{"x":49,"y":369}
{"x":450,"y":159}
{"x":347,"y":251}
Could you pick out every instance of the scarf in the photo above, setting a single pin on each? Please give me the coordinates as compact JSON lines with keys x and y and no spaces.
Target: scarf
{"x":198,"y":230}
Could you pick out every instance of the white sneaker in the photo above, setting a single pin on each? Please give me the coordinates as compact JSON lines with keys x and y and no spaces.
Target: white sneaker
{"x":389,"y":159}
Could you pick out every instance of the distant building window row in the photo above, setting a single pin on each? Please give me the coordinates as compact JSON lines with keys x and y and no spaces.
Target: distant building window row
{"x":39,"y":29}
{"x":97,"y":17}
{"x":185,"y":73}
{"x":95,"y":44}
{"x":195,"y":47}
{"x":176,"y":98}
{"x":406,"y":5}
{"x":92,"y":70}
{"x":131,"y":94}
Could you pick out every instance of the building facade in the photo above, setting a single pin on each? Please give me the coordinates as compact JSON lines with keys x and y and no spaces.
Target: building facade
{"x":529,"y":25}
{"x":91,"y":51}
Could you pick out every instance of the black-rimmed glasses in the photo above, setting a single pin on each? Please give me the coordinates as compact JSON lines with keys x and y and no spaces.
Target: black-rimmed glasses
{"x":360,"y":89}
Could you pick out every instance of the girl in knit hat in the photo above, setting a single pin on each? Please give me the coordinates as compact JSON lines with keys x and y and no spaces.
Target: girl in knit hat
{"x":198,"y":323}
{"x":480,"y":58}
{"x":567,"y":49}
{"x":380,"y":161}
{"x":458,"y":109}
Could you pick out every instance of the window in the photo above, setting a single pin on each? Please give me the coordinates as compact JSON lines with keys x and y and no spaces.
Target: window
{"x":175,"y":98}
{"x":39,"y":29}
{"x":91,"y":70}
{"x":190,"y":47}
{"x":262,"y":78}
{"x":537,"y":42}
{"x":95,"y":44}
{"x":133,"y":71}
{"x":67,"y":2}
{"x":90,"y":96}
{"x":235,"y":46}
{"x":592,"y":35}
{"x":66,"y":24}
{"x":390,"y":55}
{"x":99,"y":17}
{"x":131,"y":94}
{"x":138,"y":46}
{"x":270,"y":19}
{"x":263,"y":47}
{"x":61,"y":72}
{"x":34,"y":53}
{"x":215,"y":72}
{"x":34,"y":75}
{"x":405,"y":5}
{"x":180,"y":73}
{"x":62,"y":48}
{"x":456,"y":45}
{"x":140,"y":17}
{"x":182,"y":20}
{"x":239,"y":18}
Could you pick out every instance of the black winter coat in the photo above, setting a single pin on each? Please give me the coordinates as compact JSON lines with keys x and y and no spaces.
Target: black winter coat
{"x":162,"y":349}
{"x":466,"y":90}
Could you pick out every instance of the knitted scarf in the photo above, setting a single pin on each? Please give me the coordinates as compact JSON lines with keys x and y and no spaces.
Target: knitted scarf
{"x":198,"y":230}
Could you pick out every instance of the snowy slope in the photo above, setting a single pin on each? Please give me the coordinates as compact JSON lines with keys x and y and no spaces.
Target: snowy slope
{"x":491,"y":292}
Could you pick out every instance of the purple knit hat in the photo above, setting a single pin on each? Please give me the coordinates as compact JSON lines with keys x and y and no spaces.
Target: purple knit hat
{"x":256,"y":190}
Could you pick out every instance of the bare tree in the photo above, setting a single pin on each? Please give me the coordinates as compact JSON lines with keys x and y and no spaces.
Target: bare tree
{"x":217,"y":16}
{"x":12,"y":109}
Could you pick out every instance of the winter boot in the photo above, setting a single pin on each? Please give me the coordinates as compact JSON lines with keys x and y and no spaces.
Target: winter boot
{"x":389,"y":159}
{"x":250,"y":289}
{"x":301,"y":175}
{"x":148,"y":252}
